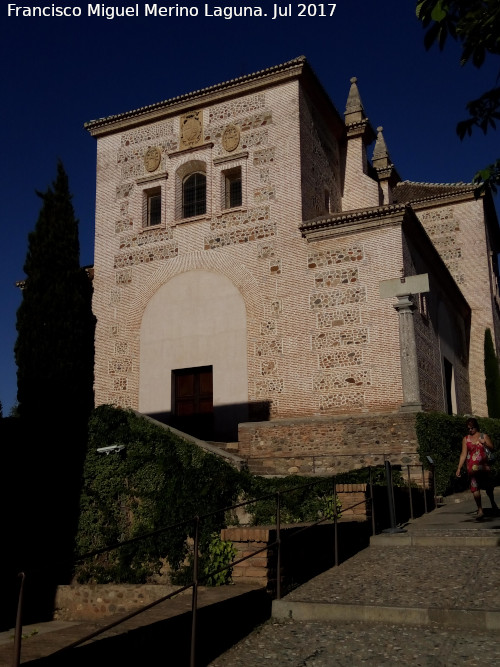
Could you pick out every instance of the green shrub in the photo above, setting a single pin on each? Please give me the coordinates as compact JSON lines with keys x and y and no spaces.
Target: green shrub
{"x":219,"y":556}
{"x":492,"y":376}
{"x":304,"y":500}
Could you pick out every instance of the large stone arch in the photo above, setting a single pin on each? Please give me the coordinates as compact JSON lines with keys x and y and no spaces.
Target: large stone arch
{"x":196,"y":319}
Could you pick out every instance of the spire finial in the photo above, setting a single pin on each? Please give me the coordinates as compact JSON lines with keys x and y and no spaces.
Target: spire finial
{"x":354,"y":104}
{"x":380,"y":153}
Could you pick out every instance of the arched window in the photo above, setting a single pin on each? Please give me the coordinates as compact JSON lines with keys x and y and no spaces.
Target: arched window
{"x":194,"y":195}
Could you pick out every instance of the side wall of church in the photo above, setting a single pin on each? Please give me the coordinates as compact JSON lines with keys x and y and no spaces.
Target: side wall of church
{"x":320,"y":164}
{"x":356,"y":337}
{"x":440,"y":332}
{"x":458,"y":232}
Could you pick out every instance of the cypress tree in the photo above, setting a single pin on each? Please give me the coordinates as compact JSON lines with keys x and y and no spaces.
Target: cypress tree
{"x":54,"y":353}
{"x":492,"y":376}
{"x":55,"y":325}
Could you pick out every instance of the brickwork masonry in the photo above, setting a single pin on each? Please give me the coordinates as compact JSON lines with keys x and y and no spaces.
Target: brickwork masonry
{"x":328,"y":445}
{"x":93,"y":601}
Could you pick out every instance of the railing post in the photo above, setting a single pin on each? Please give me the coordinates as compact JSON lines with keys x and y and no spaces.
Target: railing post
{"x":390,"y":498}
{"x":278,"y":542}
{"x":194,"y":605}
{"x":433,"y":473}
{"x":19,"y":625}
{"x":424,"y":490}
{"x":372,"y":504}
{"x":335,"y":521}
{"x":390,"y":495}
{"x":410,"y":494}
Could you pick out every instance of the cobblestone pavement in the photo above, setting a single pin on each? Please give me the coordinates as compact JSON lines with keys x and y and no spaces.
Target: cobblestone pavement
{"x":320,"y":644}
{"x":407,"y":577}
{"x":441,"y":577}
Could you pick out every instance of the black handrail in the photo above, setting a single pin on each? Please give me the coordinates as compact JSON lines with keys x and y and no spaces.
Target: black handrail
{"x":277,"y":544}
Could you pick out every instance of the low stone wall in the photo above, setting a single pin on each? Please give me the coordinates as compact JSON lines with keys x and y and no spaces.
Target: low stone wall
{"x":88,"y":602}
{"x":329,"y":445}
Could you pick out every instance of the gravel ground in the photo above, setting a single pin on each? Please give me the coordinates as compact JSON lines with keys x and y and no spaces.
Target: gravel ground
{"x":315,"y":644}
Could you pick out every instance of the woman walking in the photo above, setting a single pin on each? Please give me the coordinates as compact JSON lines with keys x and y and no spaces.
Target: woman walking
{"x":474,"y":446}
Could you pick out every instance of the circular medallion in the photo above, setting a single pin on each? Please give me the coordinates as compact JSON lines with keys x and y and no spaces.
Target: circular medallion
{"x":231,"y":138}
{"x":152,"y":158}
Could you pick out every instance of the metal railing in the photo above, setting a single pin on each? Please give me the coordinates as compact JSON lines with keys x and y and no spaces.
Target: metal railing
{"x":275,"y":546}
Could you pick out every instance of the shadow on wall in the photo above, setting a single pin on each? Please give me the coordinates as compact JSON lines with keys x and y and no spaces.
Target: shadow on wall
{"x":219,"y":425}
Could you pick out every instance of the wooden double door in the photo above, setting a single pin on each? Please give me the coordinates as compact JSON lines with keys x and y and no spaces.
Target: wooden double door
{"x":193,"y":406}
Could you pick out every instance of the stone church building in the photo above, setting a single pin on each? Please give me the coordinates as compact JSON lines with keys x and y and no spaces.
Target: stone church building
{"x":258,"y":278}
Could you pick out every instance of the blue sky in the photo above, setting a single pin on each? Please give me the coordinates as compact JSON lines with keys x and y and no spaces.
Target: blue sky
{"x":59,"y":72}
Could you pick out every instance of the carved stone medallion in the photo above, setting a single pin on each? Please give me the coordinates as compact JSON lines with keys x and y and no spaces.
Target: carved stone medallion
{"x":152,"y":158}
{"x":231,"y":138}
{"x":191,"y":129}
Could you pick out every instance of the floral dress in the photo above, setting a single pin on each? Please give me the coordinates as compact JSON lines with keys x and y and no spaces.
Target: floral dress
{"x":477,"y":463}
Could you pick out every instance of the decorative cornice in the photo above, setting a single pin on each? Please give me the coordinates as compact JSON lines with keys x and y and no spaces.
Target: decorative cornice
{"x":448,"y":198}
{"x":444,"y":193}
{"x":204,"y":96}
{"x":364,"y":218}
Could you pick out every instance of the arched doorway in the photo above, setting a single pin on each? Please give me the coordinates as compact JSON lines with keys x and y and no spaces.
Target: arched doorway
{"x":193,"y":355}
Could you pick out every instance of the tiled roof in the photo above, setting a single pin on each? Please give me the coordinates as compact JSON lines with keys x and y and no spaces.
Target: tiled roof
{"x":301,"y":60}
{"x":407,"y":192}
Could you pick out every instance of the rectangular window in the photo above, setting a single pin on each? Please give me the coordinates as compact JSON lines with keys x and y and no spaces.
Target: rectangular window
{"x":152,"y":207}
{"x":423,"y":305}
{"x":233,"y":188}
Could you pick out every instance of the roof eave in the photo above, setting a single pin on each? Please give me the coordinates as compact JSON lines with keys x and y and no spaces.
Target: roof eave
{"x":216,"y":93}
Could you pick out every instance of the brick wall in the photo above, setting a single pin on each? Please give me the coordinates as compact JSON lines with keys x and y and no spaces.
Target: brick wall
{"x":329,"y":445}
{"x":92,"y":601}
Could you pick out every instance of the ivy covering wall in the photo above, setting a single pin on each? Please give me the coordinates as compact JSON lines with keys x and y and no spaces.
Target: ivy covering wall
{"x":152,"y":479}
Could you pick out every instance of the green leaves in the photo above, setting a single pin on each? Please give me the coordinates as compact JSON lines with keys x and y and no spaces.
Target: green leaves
{"x":217,"y":568}
{"x":476,"y":25}
{"x":438,"y":12}
{"x":492,"y":376}
{"x":484,"y":112}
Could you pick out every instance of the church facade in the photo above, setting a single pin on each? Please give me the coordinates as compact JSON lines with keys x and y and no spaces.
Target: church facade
{"x":252,"y":264}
